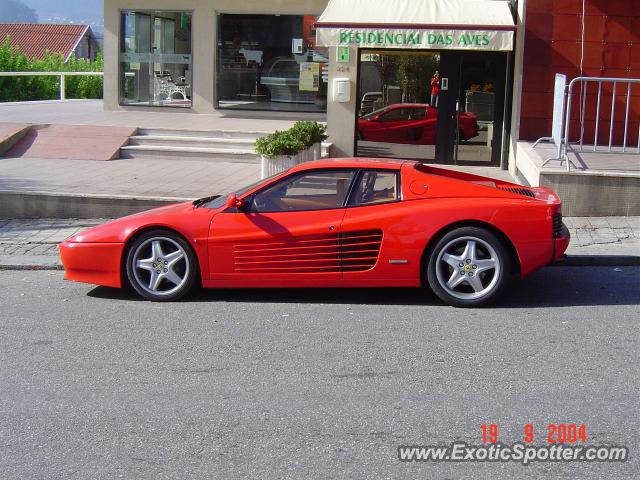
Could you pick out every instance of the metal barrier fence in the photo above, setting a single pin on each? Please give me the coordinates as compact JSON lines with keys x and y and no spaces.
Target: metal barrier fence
{"x":62,"y":76}
{"x":562,"y":119}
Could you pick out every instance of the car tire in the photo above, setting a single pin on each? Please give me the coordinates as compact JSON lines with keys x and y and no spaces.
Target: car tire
{"x":161,"y":266}
{"x":468,"y":267}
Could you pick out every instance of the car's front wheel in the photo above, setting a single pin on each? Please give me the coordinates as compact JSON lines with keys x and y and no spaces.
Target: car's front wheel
{"x":468,"y":267}
{"x":161,"y":266}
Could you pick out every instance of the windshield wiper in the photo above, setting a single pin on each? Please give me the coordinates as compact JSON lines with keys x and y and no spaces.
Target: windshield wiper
{"x":201,"y":201}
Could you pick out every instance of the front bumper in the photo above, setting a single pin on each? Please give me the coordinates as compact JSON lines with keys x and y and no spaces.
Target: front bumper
{"x":97,"y":263}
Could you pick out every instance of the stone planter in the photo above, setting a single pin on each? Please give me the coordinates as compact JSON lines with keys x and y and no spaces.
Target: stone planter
{"x":281,"y":163}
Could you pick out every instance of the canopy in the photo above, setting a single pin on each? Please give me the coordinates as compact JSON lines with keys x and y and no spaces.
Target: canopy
{"x":417,"y":24}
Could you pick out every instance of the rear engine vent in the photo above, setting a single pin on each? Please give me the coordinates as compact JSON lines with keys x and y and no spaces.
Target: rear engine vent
{"x":349,"y":252}
{"x":520,"y":191}
{"x":360,"y":250}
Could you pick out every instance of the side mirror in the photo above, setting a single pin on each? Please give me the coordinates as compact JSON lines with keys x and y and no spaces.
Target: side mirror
{"x":234,"y":202}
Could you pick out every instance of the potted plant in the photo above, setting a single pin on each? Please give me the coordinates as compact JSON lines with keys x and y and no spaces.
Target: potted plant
{"x":283,"y":149}
{"x":312,"y":134}
{"x":279,"y":151}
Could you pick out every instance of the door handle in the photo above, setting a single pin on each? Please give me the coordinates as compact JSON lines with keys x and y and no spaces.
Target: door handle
{"x":332,"y":228}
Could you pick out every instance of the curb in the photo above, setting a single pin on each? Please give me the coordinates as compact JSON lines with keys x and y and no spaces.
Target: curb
{"x":20,"y":204}
{"x":569,"y":261}
{"x":34,"y":267}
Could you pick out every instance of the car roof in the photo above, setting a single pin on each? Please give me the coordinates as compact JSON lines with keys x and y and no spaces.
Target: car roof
{"x":409,"y":105}
{"x":359,"y":162}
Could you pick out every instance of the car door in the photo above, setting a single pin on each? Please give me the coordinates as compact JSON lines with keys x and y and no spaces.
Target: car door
{"x":287,"y":235}
{"x":374,"y":250}
{"x":388,"y":127}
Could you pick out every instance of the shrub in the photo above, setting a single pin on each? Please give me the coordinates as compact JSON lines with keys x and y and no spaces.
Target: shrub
{"x":279,"y":143}
{"x":310,"y":132}
{"x":46,"y":87}
{"x":290,"y":142}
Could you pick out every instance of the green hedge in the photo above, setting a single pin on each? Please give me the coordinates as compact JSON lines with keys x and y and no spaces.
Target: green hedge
{"x":290,"y":142}
{"x":16,"y":89}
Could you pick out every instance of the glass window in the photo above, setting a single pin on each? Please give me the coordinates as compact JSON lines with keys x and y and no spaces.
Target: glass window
{"x":395,"y":115}
{"x":155,"y":59}
{"x":270,"y":62}
{"x":310,"y":191}
{"x":375,"y":186}
{"x":407,"y":84}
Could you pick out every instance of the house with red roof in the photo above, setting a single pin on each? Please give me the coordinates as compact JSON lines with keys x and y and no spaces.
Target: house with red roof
{"x":34,"y":39}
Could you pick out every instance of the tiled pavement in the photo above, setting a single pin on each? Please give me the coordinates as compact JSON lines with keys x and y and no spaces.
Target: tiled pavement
{"x":139,"y":177}
{"x":38,"y":236}
{"x":26,"y":243}
{"x":604,"y":235}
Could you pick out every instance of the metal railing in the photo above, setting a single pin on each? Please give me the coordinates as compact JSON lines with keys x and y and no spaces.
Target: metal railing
{"x":562,"y":119}
{"x":62,"y":76}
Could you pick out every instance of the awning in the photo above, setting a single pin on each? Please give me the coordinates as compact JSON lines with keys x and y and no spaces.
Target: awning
{"x":421,"y":24}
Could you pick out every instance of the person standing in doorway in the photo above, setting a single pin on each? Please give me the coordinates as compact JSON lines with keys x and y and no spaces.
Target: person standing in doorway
{"x":435,"y":89}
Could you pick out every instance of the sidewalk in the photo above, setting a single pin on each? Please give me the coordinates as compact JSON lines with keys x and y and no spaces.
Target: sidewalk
{"x":32,"y":243}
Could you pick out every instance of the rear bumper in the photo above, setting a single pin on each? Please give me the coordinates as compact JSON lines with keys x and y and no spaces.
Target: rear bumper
{"x":561,"y":243}
{"x":97,"y":263}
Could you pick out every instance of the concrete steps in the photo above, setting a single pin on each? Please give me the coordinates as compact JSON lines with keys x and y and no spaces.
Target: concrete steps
{"x":207,"y":145}
{"x":216,"y":145}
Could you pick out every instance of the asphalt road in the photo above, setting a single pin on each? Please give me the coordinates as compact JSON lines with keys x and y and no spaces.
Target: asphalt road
{"x":311,"y":384}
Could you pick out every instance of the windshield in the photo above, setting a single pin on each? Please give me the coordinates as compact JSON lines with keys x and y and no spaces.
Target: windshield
{"x":374,"y":113}
{"x":221,"y":200}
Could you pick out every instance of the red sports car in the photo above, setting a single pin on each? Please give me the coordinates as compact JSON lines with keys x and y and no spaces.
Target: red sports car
{"x":412,"y":123}
{"x":333,"y":223}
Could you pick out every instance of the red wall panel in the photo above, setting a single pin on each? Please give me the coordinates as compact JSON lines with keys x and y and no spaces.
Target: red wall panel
{"x":553,"y":31}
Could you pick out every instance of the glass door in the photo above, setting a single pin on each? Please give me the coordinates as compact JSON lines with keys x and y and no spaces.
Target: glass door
{"x":397,"y":110}
{"x":155,"y":59}
{"x":472,"y":103}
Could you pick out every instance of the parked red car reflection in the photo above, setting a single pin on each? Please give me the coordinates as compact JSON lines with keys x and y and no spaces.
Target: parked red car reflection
{"x":412,"y":123}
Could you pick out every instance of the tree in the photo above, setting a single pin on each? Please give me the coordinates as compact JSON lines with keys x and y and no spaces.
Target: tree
{"x":387,"y":66}
{"x":414,"y":75}
{"x":46,"y":87}
{"x":15,"y":11}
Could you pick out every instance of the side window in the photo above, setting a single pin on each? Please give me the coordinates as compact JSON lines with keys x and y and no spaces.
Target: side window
{"x":375,"y":186}
{"x":418,"y":114}
{"x":319,"y":190}
{"x":396,"y":115}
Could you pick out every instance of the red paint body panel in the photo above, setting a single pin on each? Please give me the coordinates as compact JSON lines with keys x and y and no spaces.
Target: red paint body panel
{"x":364,"y":246}
{"x":275,"y":246}
{"x":97,"y":263}
{"x":95,"y":255}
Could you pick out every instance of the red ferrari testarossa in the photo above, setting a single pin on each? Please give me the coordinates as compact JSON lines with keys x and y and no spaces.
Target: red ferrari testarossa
{"x":333,"y":223}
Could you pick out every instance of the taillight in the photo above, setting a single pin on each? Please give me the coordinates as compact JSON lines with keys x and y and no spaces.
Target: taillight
{"x":556,"y":221}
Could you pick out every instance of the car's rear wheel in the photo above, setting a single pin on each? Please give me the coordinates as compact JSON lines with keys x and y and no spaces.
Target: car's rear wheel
{"x":468,"y":267}
{"x":161,"y":266}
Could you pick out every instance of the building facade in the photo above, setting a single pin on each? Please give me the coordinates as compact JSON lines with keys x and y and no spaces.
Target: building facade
{"x":204,"y":55}
{"x":460,"y":85}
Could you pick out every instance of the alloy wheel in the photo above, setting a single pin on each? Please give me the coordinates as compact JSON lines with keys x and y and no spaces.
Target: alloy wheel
{"x":160,"y":266}
{"x":468,"y":268}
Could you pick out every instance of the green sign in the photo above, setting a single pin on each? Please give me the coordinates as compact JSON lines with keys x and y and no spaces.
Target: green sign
{"x":342,"y":54}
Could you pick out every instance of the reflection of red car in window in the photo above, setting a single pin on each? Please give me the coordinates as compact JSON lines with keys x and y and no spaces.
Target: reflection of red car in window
{"x":413,"y":123}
